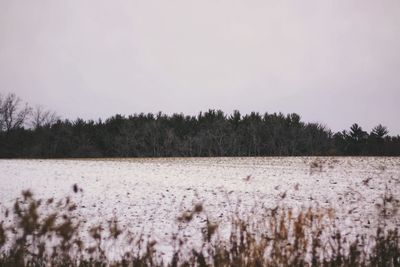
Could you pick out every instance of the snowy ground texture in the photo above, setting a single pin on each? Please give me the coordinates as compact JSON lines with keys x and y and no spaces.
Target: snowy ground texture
{"x":148,"y":194}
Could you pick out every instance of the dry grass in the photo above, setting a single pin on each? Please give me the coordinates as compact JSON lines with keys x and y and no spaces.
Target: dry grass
{"x":48,"y":233}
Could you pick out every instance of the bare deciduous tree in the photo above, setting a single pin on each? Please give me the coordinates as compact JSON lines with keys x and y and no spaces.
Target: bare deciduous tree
{"x":42,"y":117}
{"x":12,"y":114}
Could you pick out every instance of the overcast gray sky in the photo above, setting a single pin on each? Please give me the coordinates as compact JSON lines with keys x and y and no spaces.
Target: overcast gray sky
{"x":335,"y":62}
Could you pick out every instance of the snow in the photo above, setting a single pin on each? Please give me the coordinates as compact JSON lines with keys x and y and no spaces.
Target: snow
{"x":147,"y":195}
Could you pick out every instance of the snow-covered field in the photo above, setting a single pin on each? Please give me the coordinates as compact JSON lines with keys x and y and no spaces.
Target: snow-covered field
{"x":149,"y":194}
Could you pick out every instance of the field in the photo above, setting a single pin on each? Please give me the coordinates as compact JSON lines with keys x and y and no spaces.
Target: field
{"x":148,"y":195}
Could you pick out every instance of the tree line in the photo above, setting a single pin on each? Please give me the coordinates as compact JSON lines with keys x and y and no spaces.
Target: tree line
{"x":27,"y":132}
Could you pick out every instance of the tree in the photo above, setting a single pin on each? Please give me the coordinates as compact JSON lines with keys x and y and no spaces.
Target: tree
{"x":211,"y":133}
{"x":357,"y":133}
{"x":379,"y":131}
{"x":358,"y":139}
{"x":42,"y":117}
{"x":12,"y":115}
{"x":1,"y":114}
{"x":376,"y":140}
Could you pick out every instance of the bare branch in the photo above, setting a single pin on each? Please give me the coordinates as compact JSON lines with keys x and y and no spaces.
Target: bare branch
{"x":11,"y":115}
{"x":42,"y":117}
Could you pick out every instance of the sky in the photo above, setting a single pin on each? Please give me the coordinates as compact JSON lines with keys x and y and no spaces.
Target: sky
{"x":332,"y":62}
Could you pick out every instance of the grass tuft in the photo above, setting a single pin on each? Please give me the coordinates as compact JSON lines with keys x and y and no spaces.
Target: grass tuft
{"x":49,"y":233}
